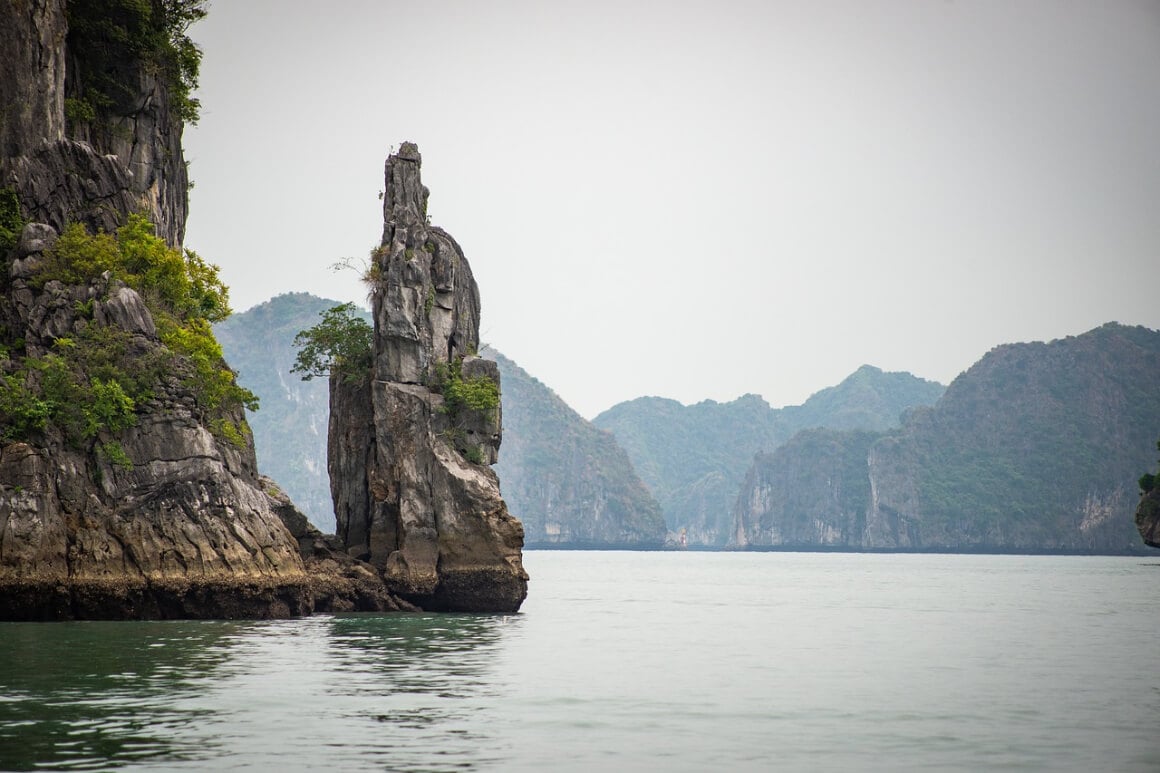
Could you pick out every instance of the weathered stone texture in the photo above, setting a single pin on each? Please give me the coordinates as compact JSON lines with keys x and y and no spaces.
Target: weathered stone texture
{"x":131,"y":162}
{"x":185,"y":522}
{"x":186,"y":530}
{"x":426,"y":302}
{"x":32,"y":72}
{"x":1036,"y":447}
{"x":413,"y":491}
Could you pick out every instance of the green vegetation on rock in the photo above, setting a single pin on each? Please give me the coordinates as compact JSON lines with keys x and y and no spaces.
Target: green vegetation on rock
{"x":340,"y":344}
{"x":11,"y":221}
{"x":118,"y":38}
{"x":476,"y":393}
{"x":175,"y":283}
{"x":96,"y":380}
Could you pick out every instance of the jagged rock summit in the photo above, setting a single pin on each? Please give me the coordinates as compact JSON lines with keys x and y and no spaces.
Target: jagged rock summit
{"x":411,"y":443}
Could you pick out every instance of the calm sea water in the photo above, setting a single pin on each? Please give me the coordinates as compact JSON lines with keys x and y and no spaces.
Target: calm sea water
{"x":630,"y":661}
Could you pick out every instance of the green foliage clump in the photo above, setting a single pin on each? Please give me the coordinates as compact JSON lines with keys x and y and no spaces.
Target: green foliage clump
{"x":11,"y":221}
{"x":177,"y":282}
{"x":213,"y":383}
{"x":78,"y":111}
{"x":24,"y":410}
{"x":110,"y":40}
{"x":95,"y":381}
{"x":340,"y":344}
{"x":115,"y":453}
{"x":478,"y":393}
{"x":82,"y":388}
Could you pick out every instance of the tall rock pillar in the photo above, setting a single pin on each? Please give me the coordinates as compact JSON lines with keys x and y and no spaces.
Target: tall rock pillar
{"x":411,"y":448}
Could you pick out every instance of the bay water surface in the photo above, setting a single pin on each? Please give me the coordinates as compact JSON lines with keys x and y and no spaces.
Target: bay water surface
{"x":630,"y":661}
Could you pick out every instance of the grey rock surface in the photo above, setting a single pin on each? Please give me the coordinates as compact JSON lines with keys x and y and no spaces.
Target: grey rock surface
{"x":413,"y":490}
{"x":94,"y":174}
{"x":180,"y":526}
{"x":183,"y":530}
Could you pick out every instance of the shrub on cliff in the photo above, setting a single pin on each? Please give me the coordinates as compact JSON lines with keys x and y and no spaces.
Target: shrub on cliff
{"x":476,"y":393}
{"x":96,"y":379}
{"x":10,"y":220}
{"x":340,"y":344}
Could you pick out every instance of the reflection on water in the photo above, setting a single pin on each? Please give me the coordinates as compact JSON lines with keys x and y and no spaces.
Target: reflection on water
{"x":79,"y":695}
{"x":369,"y":691}
{"x":629,"y":661}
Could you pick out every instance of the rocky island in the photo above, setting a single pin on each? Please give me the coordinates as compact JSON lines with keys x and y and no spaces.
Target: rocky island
{"x":412,"y":439}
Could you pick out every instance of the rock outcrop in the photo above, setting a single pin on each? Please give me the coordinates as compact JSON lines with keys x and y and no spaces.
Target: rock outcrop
{"x":160,"y":512}
{"x":95,"y":168}
{"x":1037,"y":447}
{"x":177,"y":527}
{"x":811,"y":492}
{"x":411,"y":444}
{"x":1148,"y":518}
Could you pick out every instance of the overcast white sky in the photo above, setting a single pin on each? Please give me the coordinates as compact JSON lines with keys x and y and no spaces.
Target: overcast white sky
{"x":702,"y":199}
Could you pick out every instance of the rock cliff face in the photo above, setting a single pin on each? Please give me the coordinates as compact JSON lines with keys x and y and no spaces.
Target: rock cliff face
{"x":160,"y":514}
{"x":410,"y":446}
{"x":811,"y":492}
{"x":568,"y":482}
{"x":1036,"y":447}
{"x":127,"y":159}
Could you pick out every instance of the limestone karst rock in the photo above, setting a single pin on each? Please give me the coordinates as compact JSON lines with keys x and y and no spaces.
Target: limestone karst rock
{"x":409,"y":448}
{"x":128,"y":159}
{"x":1036,"y":447}
{"x":162,"y":515}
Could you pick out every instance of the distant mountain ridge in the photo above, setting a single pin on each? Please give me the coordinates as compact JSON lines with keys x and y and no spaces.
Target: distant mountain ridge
{"x":290,"y":426}
{"x":569,"y":482}
{"x":694,"y":458}
{"x":1035,"y":447}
